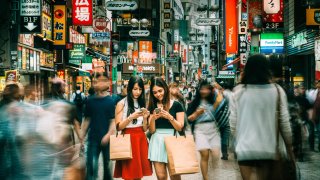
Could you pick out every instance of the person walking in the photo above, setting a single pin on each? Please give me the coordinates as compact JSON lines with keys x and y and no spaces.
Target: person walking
{"x":132,"y":118}
{"x":99,"y":121}
{"x":316,"y":116}
{"x":78,"y":98}
{"x":259,"y":121}
{"x":166,"y":117}
{"x":201,"y":117}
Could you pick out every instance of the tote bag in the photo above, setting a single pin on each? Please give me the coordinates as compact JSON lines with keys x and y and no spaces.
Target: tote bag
{"x":182,"y":157}
{"x":120,"y":147}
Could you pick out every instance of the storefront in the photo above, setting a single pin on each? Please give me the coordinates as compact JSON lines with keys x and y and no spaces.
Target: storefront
{"x":300,"y":57}
{"x":143,"y":70}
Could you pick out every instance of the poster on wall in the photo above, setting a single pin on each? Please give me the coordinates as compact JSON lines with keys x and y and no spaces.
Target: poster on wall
{"x":11,"y":76}
{"x":272,"y":14}
{"x":231,"y":29}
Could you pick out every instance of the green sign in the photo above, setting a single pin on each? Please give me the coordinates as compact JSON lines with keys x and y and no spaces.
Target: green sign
{"x":88,"y":59}
{"x":77,"y":54}
{"x":254,"y":50}
{"x":114,"y":73}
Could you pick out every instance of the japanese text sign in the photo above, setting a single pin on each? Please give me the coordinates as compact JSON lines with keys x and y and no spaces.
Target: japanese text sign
{"x":59,"y":24}
{"x":82,"y":12}
{"x":271,"y":6}
{"x":76,"y":37}
{"x":242,"y":43}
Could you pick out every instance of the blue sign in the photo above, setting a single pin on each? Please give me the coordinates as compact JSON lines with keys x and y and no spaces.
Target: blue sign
{"x":229,"y":60}
{"x":272,"y":49}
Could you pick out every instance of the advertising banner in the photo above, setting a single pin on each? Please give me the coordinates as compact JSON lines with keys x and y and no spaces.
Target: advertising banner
{"x":313,"y":17}
{"x":145,"y":51}
{"x":82,"y":12}
{"x":231,"y":27}
{"x":46,"y":26}
{"x":76,"y":37}
{"x":60,"y":27}
{"x":272,"y":14}
{"x":77,"y":54}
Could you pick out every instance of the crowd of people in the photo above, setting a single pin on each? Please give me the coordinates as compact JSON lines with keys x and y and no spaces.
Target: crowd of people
{"x":264,"y":121}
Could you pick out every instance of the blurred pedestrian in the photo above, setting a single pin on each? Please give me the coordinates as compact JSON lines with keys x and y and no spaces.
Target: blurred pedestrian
{"x":99,"y":121}
{"x":316,"y":115}
{"x":192,"y":93}
{"x":132,"y":118}
{"x":123,"y":94}
{"x":166,"y":117}
{"x":260,"y":123}
{"x":78,"y":98}
{"x":201,"y":116}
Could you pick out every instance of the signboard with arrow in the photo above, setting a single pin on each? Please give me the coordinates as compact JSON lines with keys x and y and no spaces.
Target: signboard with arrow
{"x":30,"y":14}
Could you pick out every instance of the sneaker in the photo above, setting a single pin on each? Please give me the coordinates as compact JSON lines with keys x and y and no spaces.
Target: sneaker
{"x":224,"y":158}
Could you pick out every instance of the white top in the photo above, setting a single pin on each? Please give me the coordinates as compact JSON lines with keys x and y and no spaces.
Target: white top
{"x":253,"y":121}
{"x":136,"y":108}
{"x":74,"y":95}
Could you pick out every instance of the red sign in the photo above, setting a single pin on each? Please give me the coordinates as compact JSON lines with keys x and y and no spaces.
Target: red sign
{"x":184,"y":59}
{"x":255,"y":9}
{"x":273,"y":12}
{"x":76,"y":37}
{"x":176,"y":48}
{"x":100,"y":24}
{"x":82,"y":12}
{"x":60,"y":74}
{"x":140,"y":68}
{"x":231,"y":27}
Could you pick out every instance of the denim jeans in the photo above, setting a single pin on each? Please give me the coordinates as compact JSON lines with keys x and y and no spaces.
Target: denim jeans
{"x":93,"y":152}
{"x":225,"y":134}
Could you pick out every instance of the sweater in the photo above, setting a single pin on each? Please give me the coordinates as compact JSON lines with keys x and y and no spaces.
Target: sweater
{"x":254,"y":124}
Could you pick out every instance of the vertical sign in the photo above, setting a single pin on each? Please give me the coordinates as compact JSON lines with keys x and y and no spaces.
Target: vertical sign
{"x":59,"y":31}
{"x":30,"y":14}
{"x":46,"y":20}
{"x":82,"y":12}
{"x":272,"y":14}
{"x":242,"y":43}
{"x":166,"y":15}
{"x":231,"y":26}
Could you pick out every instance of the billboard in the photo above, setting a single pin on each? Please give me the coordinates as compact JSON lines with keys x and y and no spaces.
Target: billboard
{"x":82,"y":12}
{"x":231,"y":27}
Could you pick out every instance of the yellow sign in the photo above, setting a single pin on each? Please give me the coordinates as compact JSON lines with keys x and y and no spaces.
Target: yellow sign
{"x":59,"y":25}
{"x":46,"y":26}
{"x":313,"y":17}
{"x":2,"y":83}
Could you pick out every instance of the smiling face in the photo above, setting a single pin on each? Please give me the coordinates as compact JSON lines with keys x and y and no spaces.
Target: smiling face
{"x":136,"y":91}
{"x":158,"y":92}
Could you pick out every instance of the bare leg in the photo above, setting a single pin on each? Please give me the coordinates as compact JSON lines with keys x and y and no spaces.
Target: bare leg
{"x":161,"y":170}
{"x":204,"y":163}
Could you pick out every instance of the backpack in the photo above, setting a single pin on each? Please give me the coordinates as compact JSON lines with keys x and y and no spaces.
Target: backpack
{"x":78,"y":99}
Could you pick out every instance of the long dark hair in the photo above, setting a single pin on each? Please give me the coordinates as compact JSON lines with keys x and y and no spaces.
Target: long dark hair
{"x":141,"y":100}
{"x":257,"y":70}
{"x":156,"y":81}
{"x":196,"y":102}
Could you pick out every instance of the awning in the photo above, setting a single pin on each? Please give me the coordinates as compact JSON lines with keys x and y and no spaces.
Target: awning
{"x":231,"y":63}
{"x":221,"y":76}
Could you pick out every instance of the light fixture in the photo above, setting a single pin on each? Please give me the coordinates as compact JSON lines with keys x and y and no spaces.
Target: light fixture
{"x":144,"y":22}
{"x":134,"y":22}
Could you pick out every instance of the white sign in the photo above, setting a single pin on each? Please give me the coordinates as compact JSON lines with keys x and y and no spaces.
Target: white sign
{"x":299,"y":39}
{"x":226,"y":72}
{"x":208,"y":22}
{"x":272,"y":42}
{"x":196,"y":43}
{"x":139,"y":33}
{"x":30,"y":8}
{"x":317,"y":49}
{"x":271,"y":6}
{"x":243,"y":58}
{"x":121,"y":5}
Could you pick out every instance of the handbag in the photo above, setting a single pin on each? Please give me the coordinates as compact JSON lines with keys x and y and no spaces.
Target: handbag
{"x":287,"y":168}
{"x":120,"y":147}
{"x":182,"y":157}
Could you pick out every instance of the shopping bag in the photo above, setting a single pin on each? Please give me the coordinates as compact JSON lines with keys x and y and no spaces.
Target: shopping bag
{"x":120,"y":147}
{"x":182,"y":157}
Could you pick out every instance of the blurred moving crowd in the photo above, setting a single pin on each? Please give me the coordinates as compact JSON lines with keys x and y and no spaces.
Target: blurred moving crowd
{"x":258,"y":119}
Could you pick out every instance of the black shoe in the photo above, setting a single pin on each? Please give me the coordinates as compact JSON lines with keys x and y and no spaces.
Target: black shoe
{"x":224,"y":158}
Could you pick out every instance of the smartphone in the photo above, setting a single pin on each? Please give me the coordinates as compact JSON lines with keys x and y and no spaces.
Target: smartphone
{"x":144,"y":110}
{"x":157,"y":110}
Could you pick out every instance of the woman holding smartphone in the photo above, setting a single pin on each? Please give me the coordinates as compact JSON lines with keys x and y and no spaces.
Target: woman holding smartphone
{"x":206,"y":133}
{"x":132,"y":118}
{"x":167,"y":116}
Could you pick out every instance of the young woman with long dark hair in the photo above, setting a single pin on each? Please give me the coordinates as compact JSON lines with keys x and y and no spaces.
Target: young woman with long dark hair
{"x":166,"y":116}
{"x":132,"y":118}
{"x":259,"y":115}
{"x":206,"y":133}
